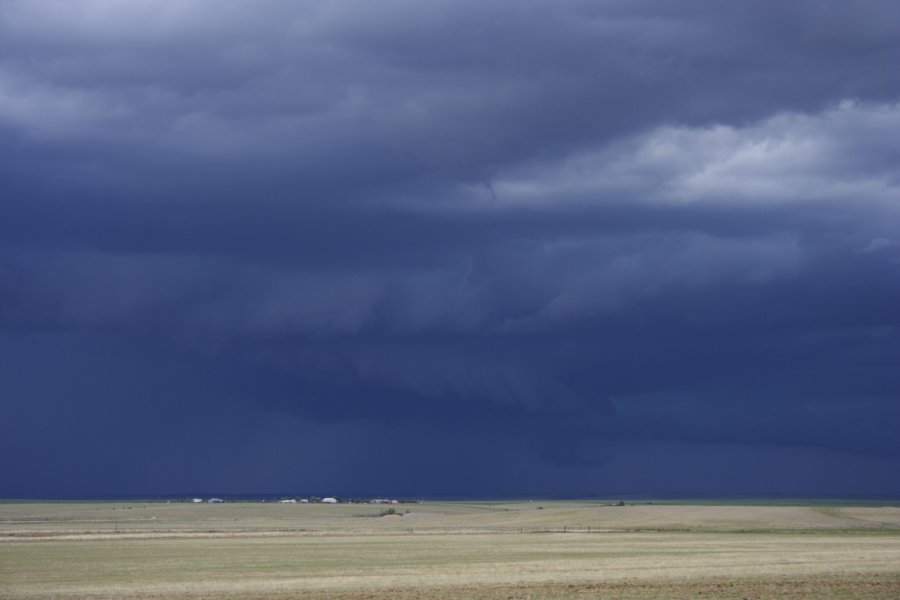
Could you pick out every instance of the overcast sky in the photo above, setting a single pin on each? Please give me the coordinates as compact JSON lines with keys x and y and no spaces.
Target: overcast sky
{"x":449,"y":247}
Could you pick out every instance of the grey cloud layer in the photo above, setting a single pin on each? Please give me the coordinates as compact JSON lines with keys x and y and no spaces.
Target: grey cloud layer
{"x":561,"y":240}
{"x":535,"y":214}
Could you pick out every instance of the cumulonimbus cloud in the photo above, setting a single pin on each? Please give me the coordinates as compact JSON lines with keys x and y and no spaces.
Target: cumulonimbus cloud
{"x":501,"y":215}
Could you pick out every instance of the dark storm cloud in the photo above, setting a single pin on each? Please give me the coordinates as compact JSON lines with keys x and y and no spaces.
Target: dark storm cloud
{"x":554,"y":234}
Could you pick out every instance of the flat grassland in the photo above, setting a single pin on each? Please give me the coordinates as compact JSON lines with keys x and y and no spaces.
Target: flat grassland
{"x":434,"y":550}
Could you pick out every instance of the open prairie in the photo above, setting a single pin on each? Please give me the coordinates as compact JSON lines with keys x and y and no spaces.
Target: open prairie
{"x":447,"y":550}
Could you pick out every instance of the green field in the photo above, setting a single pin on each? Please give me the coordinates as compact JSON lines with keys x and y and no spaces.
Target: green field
{"x":487,"y":550}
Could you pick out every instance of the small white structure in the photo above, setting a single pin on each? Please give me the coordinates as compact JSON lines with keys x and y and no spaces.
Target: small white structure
{"x":304,"y":501}
{"x":287,"y":501}
{"x":215,"y":501}
{"x":329,"y":500}
{"x":197,"y":500}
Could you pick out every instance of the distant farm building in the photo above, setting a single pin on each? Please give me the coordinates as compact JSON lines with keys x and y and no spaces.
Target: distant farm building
{"x":288,"y":501}
{"x":215,"y":501}
{"x":329,"y":500}
{"x":197,"y":500}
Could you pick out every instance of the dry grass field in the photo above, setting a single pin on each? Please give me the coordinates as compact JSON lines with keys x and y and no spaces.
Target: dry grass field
{"x":488,"y":550}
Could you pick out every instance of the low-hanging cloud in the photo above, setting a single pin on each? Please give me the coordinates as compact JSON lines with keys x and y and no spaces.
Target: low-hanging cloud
{"x":563,"y":229}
